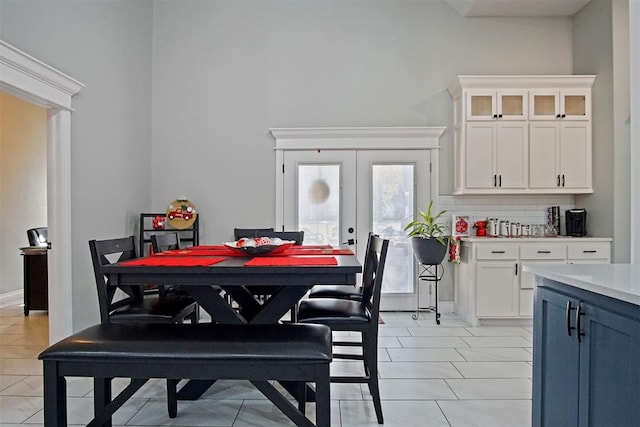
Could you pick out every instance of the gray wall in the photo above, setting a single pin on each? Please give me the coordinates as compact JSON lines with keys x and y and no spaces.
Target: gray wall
{"x":595,"y":52}
{"x":225,"y":72}
{"x":106,"y":46}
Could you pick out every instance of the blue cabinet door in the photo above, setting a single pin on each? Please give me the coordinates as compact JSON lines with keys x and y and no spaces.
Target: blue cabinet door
{"x":609,"y":368}
{"x":555,"y":360}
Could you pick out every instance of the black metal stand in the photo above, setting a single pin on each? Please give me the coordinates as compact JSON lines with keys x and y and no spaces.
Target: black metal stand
{"x":429,"y":273}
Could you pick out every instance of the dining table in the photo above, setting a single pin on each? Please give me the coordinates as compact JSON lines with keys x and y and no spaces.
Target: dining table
{"x":219,"y":278}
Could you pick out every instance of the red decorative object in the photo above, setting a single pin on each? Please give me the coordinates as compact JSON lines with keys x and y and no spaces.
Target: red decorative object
{"x":158,"y":222}
{"x":481,"y":228}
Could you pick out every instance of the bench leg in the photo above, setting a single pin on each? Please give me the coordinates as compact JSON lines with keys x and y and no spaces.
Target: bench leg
{"x":172,"y":398}
{"x":55,"y":396}
{"x":323,"y":396}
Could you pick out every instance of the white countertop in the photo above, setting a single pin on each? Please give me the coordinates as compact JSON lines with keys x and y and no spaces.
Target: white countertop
{"x":476,"y":239}
{"x":619,"y":281}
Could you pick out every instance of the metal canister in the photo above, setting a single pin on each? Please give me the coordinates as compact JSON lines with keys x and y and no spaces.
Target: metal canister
{"x":492,"y":227}
{"x":504,"y":228}
{"x":515,"y":229}
{"x":525,"y":230}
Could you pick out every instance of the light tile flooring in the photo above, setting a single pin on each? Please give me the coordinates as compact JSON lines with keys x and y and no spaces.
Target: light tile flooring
{"x":447,"y":375}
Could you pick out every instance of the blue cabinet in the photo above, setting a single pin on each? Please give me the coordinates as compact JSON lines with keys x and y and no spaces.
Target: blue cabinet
{"x":586,"y":359}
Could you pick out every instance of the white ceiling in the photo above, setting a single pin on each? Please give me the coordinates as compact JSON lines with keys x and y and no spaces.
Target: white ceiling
{"x":471,"y":8}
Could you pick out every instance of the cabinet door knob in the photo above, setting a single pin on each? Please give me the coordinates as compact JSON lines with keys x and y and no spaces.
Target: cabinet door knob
{"x":564,"y":115}
{"x":569,"y":309}
{"x":557,"y":116}
{"x":499,"y":116}
{"x":495,"y":116}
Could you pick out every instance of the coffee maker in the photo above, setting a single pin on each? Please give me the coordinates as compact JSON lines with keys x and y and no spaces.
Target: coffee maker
{"x":576,"y":222}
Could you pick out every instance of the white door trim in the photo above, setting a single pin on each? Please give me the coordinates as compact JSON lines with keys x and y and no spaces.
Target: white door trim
{"x":352,"y":138}
{"x":32,"y":80}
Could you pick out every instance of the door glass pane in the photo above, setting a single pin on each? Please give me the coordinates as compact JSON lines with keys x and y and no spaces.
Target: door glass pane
{"x":392,"y":208}
{"x":575,"y":105}
{"x":544,"y":105}
{"x":481,"y":105}
{"x":319,"y":203}
{"x":512,"y":105}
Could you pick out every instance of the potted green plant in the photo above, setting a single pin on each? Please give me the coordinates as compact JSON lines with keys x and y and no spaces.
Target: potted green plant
{"x":429,"y":236}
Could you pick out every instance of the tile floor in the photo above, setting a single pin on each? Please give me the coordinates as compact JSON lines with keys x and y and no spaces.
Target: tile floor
{"x":447,"y":375}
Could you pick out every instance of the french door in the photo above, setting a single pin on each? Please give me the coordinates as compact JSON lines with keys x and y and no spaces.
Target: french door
{"x":339,"y":196}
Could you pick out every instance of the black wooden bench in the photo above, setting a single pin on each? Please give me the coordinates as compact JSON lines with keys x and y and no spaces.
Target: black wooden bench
{"x":258,"y":353}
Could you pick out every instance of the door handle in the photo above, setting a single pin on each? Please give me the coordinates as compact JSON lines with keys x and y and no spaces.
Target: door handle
{"x":558,"y":182}
{"x":563,"y":180}
{"x":579,"y":314}
{"x":500,"y":180}
{"x":568,"y":313}
{"x":349,"y":242}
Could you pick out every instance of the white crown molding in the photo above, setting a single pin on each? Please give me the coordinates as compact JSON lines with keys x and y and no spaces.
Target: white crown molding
{"x":527,"y":82}
{"x":29,"y":78}
{"x":349,"y":138}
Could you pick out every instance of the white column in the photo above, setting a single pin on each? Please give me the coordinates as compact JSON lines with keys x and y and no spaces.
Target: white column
{"x":634,"y":85}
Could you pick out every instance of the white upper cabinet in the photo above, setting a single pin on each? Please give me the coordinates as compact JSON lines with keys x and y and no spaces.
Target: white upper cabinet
{"x":565,"y":104}
{"x":522,"y":134}
{"x":488,"y":104}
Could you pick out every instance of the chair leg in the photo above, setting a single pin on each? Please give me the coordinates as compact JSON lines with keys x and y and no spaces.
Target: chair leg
{"x":172,"y":398}
{"x":370,"y":353}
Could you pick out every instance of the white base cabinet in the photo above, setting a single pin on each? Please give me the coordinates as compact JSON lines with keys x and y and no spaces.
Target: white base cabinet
{"x":490,"y":285}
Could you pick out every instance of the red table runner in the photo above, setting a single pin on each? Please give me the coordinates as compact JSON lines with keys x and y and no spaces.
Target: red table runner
{"x":178,"y":261}
{"x":290,"y":260}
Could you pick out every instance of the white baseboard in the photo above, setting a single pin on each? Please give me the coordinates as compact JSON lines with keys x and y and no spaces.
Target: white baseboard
{"x":12,"y":299}
{"x":445,"y":306}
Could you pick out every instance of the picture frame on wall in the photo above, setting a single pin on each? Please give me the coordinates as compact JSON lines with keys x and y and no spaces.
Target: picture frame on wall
{"x":460,"y":225}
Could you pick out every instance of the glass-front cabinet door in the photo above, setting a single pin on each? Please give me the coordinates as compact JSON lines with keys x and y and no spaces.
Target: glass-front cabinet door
{"x":574,"y":104}
{"x":497,"y":105}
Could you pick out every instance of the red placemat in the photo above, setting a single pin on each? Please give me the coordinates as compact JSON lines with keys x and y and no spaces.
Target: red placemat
{"x":290,"y":260}
{"x":200,"y":252}
{"x":177,"y":261}
{"x":302,"y":250}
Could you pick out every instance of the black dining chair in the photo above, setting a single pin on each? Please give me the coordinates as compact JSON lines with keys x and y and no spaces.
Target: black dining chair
{"x":262,"y":292}
{"x":296,"y":236}
{"x":135,"y":306}
{"x":356,"y":316}
{"x":239,"y":233}
{"x":340,"y":291}
{"x":161,"y":242}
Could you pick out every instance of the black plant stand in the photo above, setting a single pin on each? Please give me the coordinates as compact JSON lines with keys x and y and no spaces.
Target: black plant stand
{"x":429,"y":273}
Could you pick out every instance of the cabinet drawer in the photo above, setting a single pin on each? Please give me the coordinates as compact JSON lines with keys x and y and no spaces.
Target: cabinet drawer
{"x":497,"y":252}
{"x":589,"y":251}
{"x":542,"y":251}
